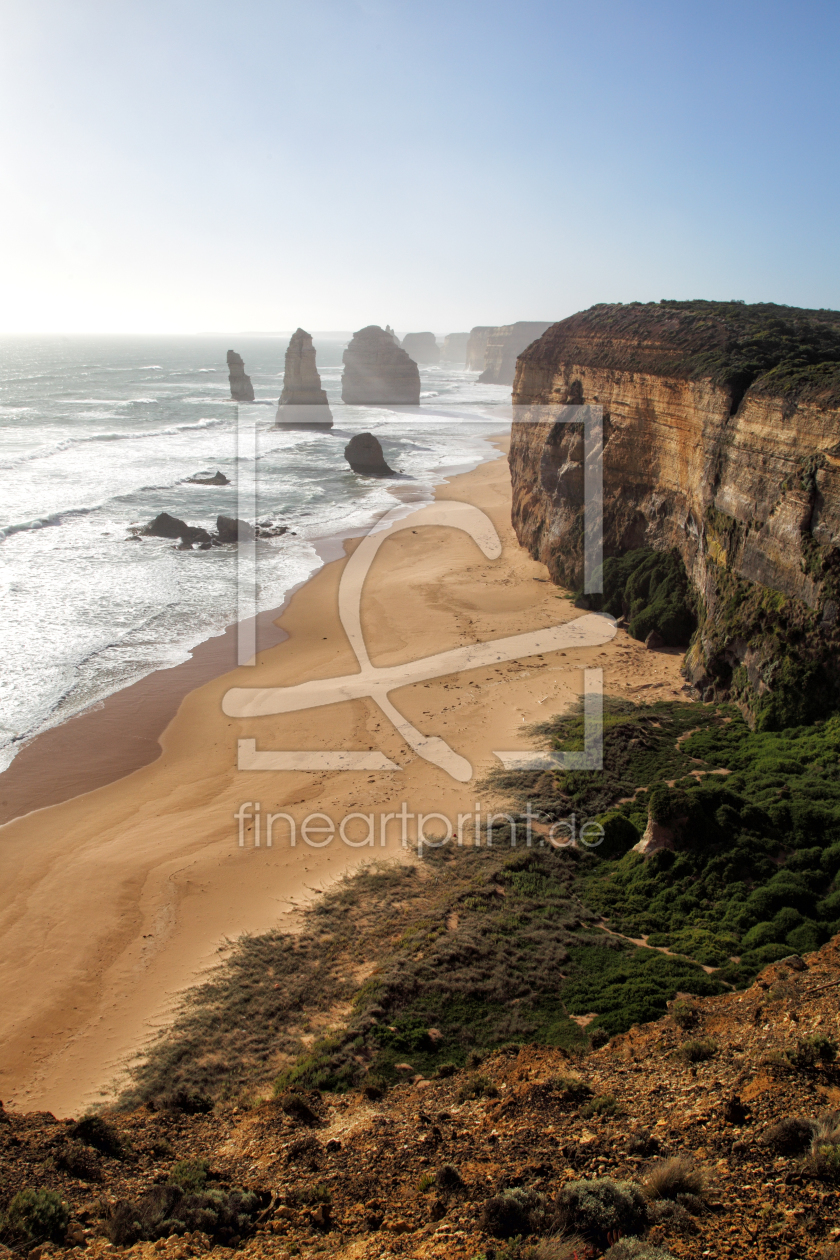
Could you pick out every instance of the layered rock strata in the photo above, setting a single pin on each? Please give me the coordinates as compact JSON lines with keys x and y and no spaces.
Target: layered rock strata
{"x":241,"y":388}
{"x":422,"y":347}
{"x":721,"y":441}
{"x":503,"y":347}
{"x":378,"y":372}
{"x":303,"y":403}
{"x":454,"y":348}
{"x":477,"y":347}
{"x":364,"y":455}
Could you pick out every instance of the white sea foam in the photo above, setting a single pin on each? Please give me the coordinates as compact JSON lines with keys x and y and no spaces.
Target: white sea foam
{"x":95,"y":447}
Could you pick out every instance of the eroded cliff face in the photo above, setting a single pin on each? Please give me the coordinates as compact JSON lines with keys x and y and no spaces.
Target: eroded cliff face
{"x":743,"y":479}
{"x":504,"y":345}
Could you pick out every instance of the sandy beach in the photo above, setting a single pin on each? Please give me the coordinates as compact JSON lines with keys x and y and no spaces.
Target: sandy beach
{"x":117,"y":899}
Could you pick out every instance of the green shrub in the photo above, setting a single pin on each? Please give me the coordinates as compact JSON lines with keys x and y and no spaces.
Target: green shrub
{"x":98,"y":1133}
{"x":448,"y":1180}
{"x":636,"y":1249}
{"x":166,"y":1210}
{"x":477,"y":1086}
{"x":512,"y":1213}
{"x":684,"y":1013}
{"x":190,"y":1174}
{"x":40,"y":1214}
{"x":603,"y":1207}
{"x":620,"y":835}
{"x":80,"y":1161}
{"x":789,"y":1136}
{"x":811,"y":1051}
{"x":698,"y":1050}
{"x":603,"y":1105}
{"x":651,"y":589}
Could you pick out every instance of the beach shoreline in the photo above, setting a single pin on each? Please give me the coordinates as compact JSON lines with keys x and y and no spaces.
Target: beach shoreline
{"x":118,"y":899}
{"x":115,"y":736}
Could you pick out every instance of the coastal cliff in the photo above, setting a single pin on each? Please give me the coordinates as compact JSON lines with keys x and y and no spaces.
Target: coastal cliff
{"x":721,"y":443}
{"x":504,"y":345}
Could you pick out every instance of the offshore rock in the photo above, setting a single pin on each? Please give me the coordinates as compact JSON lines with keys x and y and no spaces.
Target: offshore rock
{"x":422,"y":347}
{"x":477,"y":346}
{"x":218,"y":479}
{"x":454,"y":349}
{"x":166,"y":526}
{"x":230,"y":530}
{"x":378,"y":372}
{"x":364,"y":455}
{"x":504,"y":345}
{"x":303,"y":401}
{"x":241,"y":388}
{"x":721,"y":442}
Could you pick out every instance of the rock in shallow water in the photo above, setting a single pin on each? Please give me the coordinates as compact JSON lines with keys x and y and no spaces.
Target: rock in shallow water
{"x":231,"y":529}
{"x":218,"y":479}
{"x":364,"y":455}
{"x":378,"y":372}
{"x":241,"y":388}
{"x":303,"y":402}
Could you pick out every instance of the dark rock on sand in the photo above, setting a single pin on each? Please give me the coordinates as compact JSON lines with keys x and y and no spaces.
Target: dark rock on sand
{"x":218,"y":479}
{"x":231,"y":529}
{"x":364,"y":455}
{"x":302,"y":401}
{"x":422,"y":347}
{"x":377,"y":371}
{"x":240,"y":385}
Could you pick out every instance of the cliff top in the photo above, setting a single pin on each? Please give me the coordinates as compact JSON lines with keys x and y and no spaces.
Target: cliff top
{"x":776,"y":349}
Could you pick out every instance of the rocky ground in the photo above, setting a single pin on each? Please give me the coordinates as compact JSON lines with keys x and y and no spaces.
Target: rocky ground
{"x":411,"y":1173}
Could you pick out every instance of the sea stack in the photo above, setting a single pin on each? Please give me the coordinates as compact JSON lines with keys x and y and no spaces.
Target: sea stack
{"x":422,"y":347}
{"x":455,"y":348}
{"x":302,"y":402}
{"x":364,"y":455}
{"x":378,"y":372}
{"x":241,"y":388}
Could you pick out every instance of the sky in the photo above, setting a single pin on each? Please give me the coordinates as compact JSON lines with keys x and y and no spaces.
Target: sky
{"x":197,"y":165}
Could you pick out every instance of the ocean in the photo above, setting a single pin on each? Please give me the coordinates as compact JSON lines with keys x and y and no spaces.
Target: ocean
{"x":100,"y":434}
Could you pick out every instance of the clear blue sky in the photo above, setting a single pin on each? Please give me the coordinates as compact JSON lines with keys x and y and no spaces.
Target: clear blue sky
{"x":198,"y":165}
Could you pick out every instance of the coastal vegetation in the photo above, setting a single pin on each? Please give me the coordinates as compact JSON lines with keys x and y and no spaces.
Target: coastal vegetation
{"x":650,"y":590}
{"x":777,"y":349}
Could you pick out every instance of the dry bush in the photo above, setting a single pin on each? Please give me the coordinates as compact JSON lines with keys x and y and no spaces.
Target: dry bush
{"x":559,"y":1247}
{"x":790,"y":1136}
{"x":674,"y":1178}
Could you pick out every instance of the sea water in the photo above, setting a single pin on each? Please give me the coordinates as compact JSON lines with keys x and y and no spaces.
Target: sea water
{"x":99,"y":435}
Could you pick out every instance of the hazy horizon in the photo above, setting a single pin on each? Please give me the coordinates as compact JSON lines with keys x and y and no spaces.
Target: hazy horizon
{"x":202,"y":167}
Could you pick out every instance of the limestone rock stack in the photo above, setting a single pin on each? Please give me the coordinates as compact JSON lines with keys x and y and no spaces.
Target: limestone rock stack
{"x":364,"y":455}
{"x":455,"y":348}
{"x":378,"y":372}
{"x":477,"y":346}
{"x":240,"y":385}
{"x":422,"y":347}
{"x":504,"y":345}
{"x":302,"y":401}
